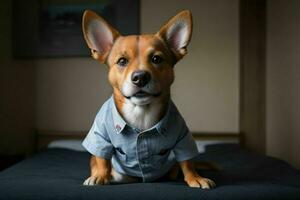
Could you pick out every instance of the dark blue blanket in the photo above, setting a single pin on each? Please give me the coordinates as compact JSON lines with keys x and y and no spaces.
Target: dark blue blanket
{"x":59,"y":173}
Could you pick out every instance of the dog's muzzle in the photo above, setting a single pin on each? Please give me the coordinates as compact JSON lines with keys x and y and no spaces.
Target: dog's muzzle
{"x":140,"y":88}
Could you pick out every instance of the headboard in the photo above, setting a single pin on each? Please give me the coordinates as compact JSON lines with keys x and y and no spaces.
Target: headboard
{"x":44,"y":137}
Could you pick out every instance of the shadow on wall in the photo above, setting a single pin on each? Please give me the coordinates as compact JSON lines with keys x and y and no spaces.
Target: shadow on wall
{"x":18,"y":97}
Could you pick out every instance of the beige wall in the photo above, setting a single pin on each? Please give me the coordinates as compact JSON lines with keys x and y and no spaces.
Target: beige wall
{"x":283,"y":80}
{"x":65,"y":94}
{"x":70,"y":91}
{"x":206,"y":84}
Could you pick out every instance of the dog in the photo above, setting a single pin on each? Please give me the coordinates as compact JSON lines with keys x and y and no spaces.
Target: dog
{"x":138,"y":134}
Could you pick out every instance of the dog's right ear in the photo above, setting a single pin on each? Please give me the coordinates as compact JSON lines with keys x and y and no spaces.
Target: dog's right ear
{"x":99,"y":35}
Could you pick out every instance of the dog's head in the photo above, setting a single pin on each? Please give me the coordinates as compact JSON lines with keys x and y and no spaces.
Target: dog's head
{"x":140,"y":66}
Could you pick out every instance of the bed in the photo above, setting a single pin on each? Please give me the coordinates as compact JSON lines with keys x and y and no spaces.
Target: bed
{"x":57,"y":173}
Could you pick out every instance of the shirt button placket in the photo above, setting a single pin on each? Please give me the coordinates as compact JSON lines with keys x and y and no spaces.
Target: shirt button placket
{"x":142,"y":151}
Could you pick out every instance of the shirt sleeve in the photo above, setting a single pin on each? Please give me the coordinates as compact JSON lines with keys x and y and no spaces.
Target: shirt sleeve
{"x":97,"y":142}
{"x":185,"y":147}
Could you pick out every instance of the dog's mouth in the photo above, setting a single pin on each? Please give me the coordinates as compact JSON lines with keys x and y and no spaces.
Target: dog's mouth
{"x":143,"y":94}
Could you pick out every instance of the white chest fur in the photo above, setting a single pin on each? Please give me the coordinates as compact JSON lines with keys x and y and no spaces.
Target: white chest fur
{"x":141,"y":117}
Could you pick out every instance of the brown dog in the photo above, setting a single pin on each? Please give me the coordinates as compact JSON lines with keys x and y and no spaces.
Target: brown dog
{"x":141,"y":73}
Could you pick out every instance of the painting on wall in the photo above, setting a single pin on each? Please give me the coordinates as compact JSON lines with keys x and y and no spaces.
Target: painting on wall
{"x":52,"y":28}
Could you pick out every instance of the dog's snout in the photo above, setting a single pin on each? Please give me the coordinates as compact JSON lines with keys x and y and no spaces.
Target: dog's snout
{"x":140,"y":78}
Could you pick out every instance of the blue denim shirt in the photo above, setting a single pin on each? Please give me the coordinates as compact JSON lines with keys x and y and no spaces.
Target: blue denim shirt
{"x":148,"y":154}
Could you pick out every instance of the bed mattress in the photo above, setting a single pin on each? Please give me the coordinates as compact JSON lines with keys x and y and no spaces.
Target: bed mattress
{"x":59,"y":174}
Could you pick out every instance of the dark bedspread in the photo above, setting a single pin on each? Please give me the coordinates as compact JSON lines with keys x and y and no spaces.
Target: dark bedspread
{"x":59,"y":173}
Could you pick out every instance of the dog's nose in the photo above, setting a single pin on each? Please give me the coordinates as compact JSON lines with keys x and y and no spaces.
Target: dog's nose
{"x":140,"y":78}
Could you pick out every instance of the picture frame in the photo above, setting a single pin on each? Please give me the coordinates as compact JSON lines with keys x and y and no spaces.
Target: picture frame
{"x":52,"y":28}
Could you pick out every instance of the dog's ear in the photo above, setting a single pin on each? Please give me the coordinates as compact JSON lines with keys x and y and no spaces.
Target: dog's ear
{"x":99,"y":35}
{"x":177,"y":33}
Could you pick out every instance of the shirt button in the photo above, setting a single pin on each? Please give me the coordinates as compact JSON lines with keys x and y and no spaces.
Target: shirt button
{"x":137,"y":130}
{"x":118,"y":127}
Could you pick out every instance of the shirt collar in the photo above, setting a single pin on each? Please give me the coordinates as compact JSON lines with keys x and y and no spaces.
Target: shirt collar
{"x":119,"y":123}
{"x":161,"y":126}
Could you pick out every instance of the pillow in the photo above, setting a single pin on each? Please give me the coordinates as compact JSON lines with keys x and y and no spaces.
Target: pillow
{"x":201,"y":144}
{"x":67,"y":144}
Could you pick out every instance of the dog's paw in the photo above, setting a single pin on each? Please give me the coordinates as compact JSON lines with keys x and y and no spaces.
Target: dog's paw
{"x":96,"y":180}
{"x":200,"y":182}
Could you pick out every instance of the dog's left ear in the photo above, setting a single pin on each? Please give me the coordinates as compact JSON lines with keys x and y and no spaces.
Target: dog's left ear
{"x":177,"y":33}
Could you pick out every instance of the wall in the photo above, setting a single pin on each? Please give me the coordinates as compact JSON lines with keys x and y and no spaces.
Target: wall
{"x":206,"y":85}
{"x":17,"y":93}
{"x":70,"y":91}
{"x":283,"y":80}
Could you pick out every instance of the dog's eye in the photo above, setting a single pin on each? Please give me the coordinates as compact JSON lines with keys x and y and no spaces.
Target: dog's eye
{"x":156,"y":59}
{"x":122,"y":62}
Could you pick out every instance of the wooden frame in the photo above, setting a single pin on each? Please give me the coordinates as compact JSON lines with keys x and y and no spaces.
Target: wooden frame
{"x":252,"y":73}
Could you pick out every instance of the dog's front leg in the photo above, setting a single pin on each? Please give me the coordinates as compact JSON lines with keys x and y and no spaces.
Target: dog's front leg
{"x":192,"y":178}
{"x":100,"y":172}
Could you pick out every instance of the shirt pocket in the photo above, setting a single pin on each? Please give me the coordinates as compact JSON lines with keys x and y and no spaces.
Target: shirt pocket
{"x":124,"y":159}
{"x":158,"y":160}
